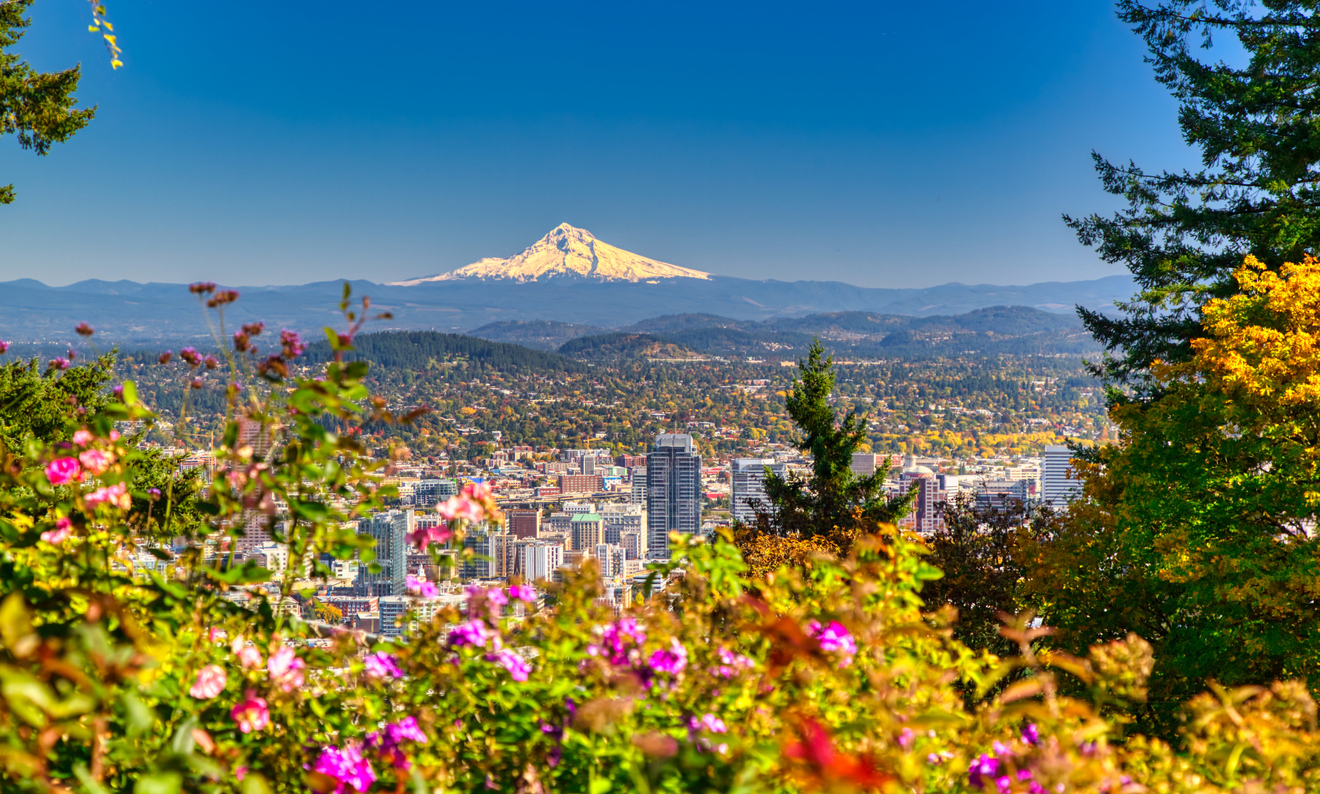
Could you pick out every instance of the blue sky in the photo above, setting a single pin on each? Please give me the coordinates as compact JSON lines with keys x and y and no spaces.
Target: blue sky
{"x":882,"y":144}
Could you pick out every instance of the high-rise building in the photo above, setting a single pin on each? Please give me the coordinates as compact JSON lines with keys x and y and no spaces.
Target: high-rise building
{"x":524,"y":523}
{"x":587,"y":529}
{"x":620,"y":518}
{"x":491,"y":555}
{"x":390,"y":531}
{"x":639,"y":485}
{"x":610,"y":558}
{"x":1058,"y":486}
{"x":749,"y":487}
{"x":673,"y":492}
{"x":541,"y":559}
{"x":434,"y":491}
{"x":925,"y":518}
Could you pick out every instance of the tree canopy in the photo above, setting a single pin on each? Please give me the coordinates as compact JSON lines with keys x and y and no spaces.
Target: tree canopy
{"x":38,"y":107}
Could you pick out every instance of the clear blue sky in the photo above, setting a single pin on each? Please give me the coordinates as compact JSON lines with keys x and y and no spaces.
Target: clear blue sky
{"x":879,"y":143}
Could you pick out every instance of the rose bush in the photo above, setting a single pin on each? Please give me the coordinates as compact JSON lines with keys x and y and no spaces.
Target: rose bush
{"x":121,"y":677}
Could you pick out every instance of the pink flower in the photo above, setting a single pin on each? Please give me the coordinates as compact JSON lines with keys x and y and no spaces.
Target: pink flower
{"x":114,"y":495}
{"x":834,"y":637}
{"x":382,"y":665}
{"x":346,"y":767}
{"x":473,"y":632}
{"x":292,"y":344}
{"x":285,"y":669}
{"x":422,"y":587}
{"x":210,"y":682}
{"x":425,"y":536}
{"x":83,"y":437}
{"x":60,"y":533}
{"x":63,"y":470}
{"x":4,"y":346}
{"x":517,"y":667}
{"x":461,"y":508}
{"x":523,"y":592}
{"x":708,"y":722}
{"x":216,"y":635}
{"x":477,"y":490}
{"x":672,"y":660}
{"x":251,"y":713}
{"x":95,"y":460}
{"x":248,"y":656}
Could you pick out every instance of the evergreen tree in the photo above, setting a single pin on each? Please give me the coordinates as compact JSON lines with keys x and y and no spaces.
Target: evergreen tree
{"x":1253,"y":118}
{"x":36,"y":106}
{"x":832,"y":502}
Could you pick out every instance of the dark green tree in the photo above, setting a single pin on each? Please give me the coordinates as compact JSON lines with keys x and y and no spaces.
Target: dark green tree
{"x":38,"y":107}
{"x":833,"y":501}
{"x":977,"y":548}
{"x":1253,"y":116}
{"x":49,"y":404}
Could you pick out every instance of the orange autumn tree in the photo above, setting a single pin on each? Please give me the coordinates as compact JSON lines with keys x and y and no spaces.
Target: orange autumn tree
{"x":1198,"y":529}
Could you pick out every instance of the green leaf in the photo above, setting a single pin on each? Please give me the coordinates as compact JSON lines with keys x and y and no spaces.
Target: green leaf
{"x":130,"y":393}
{"x":159,"y":783}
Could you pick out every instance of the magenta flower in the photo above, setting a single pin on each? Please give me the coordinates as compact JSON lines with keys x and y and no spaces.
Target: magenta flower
{"x":523,"y":592}
{"x":425,"y":536}
{"x":672,"y":660}
{"x":834,"y":637}
{"x":58,"y":363}
{"x":619,"y":642}
{"x":285,"y":669}
{"x":1031,"y":734}
{"x":291,"y":343}
{"x":422,"y":587}
{"x":346,"y":767}
{"x":387,"y":741}
{"x":114,"y":495}
{"x":708,"y":722}
{"x":63,"y":528}
{"x":210,"y":682}
{"x":473,"y":632}
{"x":95,"y":461}
{"x":515,"y":664}
{"x":4,"y":346}
{"x":731,"y":663}
{"x":63,"y":470}
{"x":251,"y":713}
{"x":382,"y":665}
{"x":216,"y":635}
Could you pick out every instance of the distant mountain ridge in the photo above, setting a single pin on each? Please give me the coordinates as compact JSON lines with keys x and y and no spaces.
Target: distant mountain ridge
{"x":566,"y":277}
{"x":995,"y":330}
{"x":566,"y":251}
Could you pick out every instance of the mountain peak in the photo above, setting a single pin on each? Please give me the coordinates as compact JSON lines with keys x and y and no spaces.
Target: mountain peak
{"x":566,"y":251}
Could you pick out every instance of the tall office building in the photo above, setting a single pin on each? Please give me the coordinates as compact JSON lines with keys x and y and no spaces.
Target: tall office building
{"x":749,"y":486}
{"x":925,"y":518}
{"x":673,"y":492}
{"x":540,"y":560}
{"x":523,"y":523}
{"x":1057,"y":485}
{"x":587,"y":529}
{"x":390,"y":531}
{"x":639,"y":486}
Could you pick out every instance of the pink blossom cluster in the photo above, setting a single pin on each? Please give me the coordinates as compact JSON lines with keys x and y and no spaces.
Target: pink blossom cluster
{"x":389,"y":741}
{"x":707,"y":723}
{"x":732,"y":663}
{"x":423,"y":537}
{"x":834,"y":638}
{"x":346,"y":767}
{"x":63,"y":529}
{"x":481,"y":629}
{"x":620,"y":642}
{"x":421,"y":587}
{"x":474,"y":504}
{"x":382,"y":665}
{"x":114,"y":495}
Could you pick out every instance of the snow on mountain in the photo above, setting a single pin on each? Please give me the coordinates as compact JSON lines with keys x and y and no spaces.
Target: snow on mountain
{"x":566,"y":251}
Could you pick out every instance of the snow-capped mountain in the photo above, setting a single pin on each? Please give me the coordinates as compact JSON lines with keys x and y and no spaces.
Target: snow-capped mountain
{"x":566,"y":251}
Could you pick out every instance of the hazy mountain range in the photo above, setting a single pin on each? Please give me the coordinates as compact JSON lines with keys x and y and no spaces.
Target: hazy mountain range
{"x":566,"y":277}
